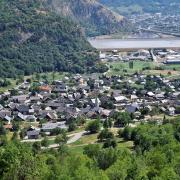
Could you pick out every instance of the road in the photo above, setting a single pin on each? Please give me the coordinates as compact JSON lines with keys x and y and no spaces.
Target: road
{"x":73,"y":138}
{"x":76,"y":137}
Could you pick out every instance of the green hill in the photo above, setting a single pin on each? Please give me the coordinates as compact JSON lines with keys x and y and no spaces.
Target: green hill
{"x":32,"y":39}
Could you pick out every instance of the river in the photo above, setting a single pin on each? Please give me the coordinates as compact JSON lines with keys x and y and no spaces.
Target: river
{"x":108,"y":44}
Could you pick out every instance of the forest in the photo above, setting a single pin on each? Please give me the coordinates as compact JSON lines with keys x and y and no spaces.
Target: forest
{"x":155,"y":156}
{"x":32,"y":39}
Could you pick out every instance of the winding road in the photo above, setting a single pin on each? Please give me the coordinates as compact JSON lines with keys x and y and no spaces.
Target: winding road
{"x":73,"y":138}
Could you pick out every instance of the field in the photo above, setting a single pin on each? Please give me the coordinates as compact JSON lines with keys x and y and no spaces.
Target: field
{"x":121,"y":68}
{"x":78,"y":146}
{"x":12,"y":85}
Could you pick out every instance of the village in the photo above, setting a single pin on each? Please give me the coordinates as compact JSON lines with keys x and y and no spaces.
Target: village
{"x":67,"y":103}
{"x":162,"y":56}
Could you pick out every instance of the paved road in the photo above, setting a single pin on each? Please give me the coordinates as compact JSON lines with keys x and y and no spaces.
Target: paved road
{"x":75,"y":137}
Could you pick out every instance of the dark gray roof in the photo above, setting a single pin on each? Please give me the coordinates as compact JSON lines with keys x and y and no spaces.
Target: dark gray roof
{"x":23,"y":108}
{"x":33,"y":133}
{"x":132,"y":108}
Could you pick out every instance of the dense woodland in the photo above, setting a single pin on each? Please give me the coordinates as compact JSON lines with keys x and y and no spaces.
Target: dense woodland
{"x":35,"y":40}
{"x":155,"y":156}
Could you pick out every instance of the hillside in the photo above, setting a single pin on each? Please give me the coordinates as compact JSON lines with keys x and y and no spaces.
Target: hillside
{"x":94,"y":17}
{"x":33,"y":39}
{"x":138,"y":6}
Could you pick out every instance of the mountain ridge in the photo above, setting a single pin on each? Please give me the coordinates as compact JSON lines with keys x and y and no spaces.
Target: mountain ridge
{"x":93,"y":16}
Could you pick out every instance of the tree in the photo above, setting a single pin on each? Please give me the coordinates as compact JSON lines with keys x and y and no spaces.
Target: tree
{"x":122,"y":118}
{"x":92,"y":150}
{"x":107,"y":123}
{"x":106,"y":157}
{"x":93,"y":126}
{"x":131,"y":65}
{"x":45,"y":142}
{"x":120,"y":132}
{"x":2,"y":129}
{"x":36,"y":147}
{"x":15,"y":136}
{"x":15,"y":126}
{"x":23,"y":133}
{"x":72,"y":127}
{"x":110,"y":142}
{"x":105,"y":134}
{"x":53,"y":75}
{"x":127,"y":133}
{"x":61,"y":139}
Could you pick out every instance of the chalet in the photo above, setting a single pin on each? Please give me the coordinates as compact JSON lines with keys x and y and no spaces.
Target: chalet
{"x":5,"y":115}
{"x":48,"y":127}
{"x":132,"y":108}
{"x":23,"y":108}
{"x":45,"y":88}
{"x":171,"y":111}
{"x":121,"y":99}
{"x":60,"y":88}
{"x":20,"y":99}
{"x":33,"y":134}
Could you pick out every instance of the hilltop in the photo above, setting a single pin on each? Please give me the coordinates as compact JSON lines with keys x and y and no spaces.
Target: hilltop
{"x":93,"y":16}
{"x":33,"y":39}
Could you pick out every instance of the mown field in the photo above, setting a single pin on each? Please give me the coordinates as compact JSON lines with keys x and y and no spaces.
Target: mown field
{"x":149,"y":67}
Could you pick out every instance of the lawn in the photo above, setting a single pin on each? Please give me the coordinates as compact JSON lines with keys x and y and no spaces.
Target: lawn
{"x":13,"y":84}
{"x":124,"y":144}
{"x":120,"y":68}
{"x":117,"y":68}
{"x":86,"y":139}
{"x":77,"y":149}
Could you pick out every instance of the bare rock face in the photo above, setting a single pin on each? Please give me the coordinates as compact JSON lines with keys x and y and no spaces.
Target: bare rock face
{"x":93,"y":16}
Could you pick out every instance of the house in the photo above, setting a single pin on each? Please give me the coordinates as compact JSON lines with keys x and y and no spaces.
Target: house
{"x":171,"y":111}
{"x":20,"y":99}
{"x":31,"y":118}
{"x":150,"y":94}
{"x":95,"y":102}
{"x":35,"y":99}
{"x":105,"y":113}
{"x":160,"y":96}
{"x":45,"y":88}
{"x":49,"y":127}
{"x":48,"y":114}
{"x":60,"y":88}
{"x":132,"y":108}
{"x":119,"y":99}
{"x":33,"y":134}
{"x":22,"y":108}
{"x":23,"y":117}
{"x":133,"y":97}
{"x":5,"y":115}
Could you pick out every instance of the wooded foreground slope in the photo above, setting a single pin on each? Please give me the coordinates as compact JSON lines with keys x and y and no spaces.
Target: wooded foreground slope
{"x":33,"y":39}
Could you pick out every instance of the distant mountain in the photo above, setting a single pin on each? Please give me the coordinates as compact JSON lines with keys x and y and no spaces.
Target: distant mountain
{"x":93,"y":16}
{"x":33,"y":39}
{"x":138,"y":6}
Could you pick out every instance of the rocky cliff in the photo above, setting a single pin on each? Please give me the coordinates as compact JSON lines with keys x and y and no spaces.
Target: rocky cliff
{"x":93,"y":16}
